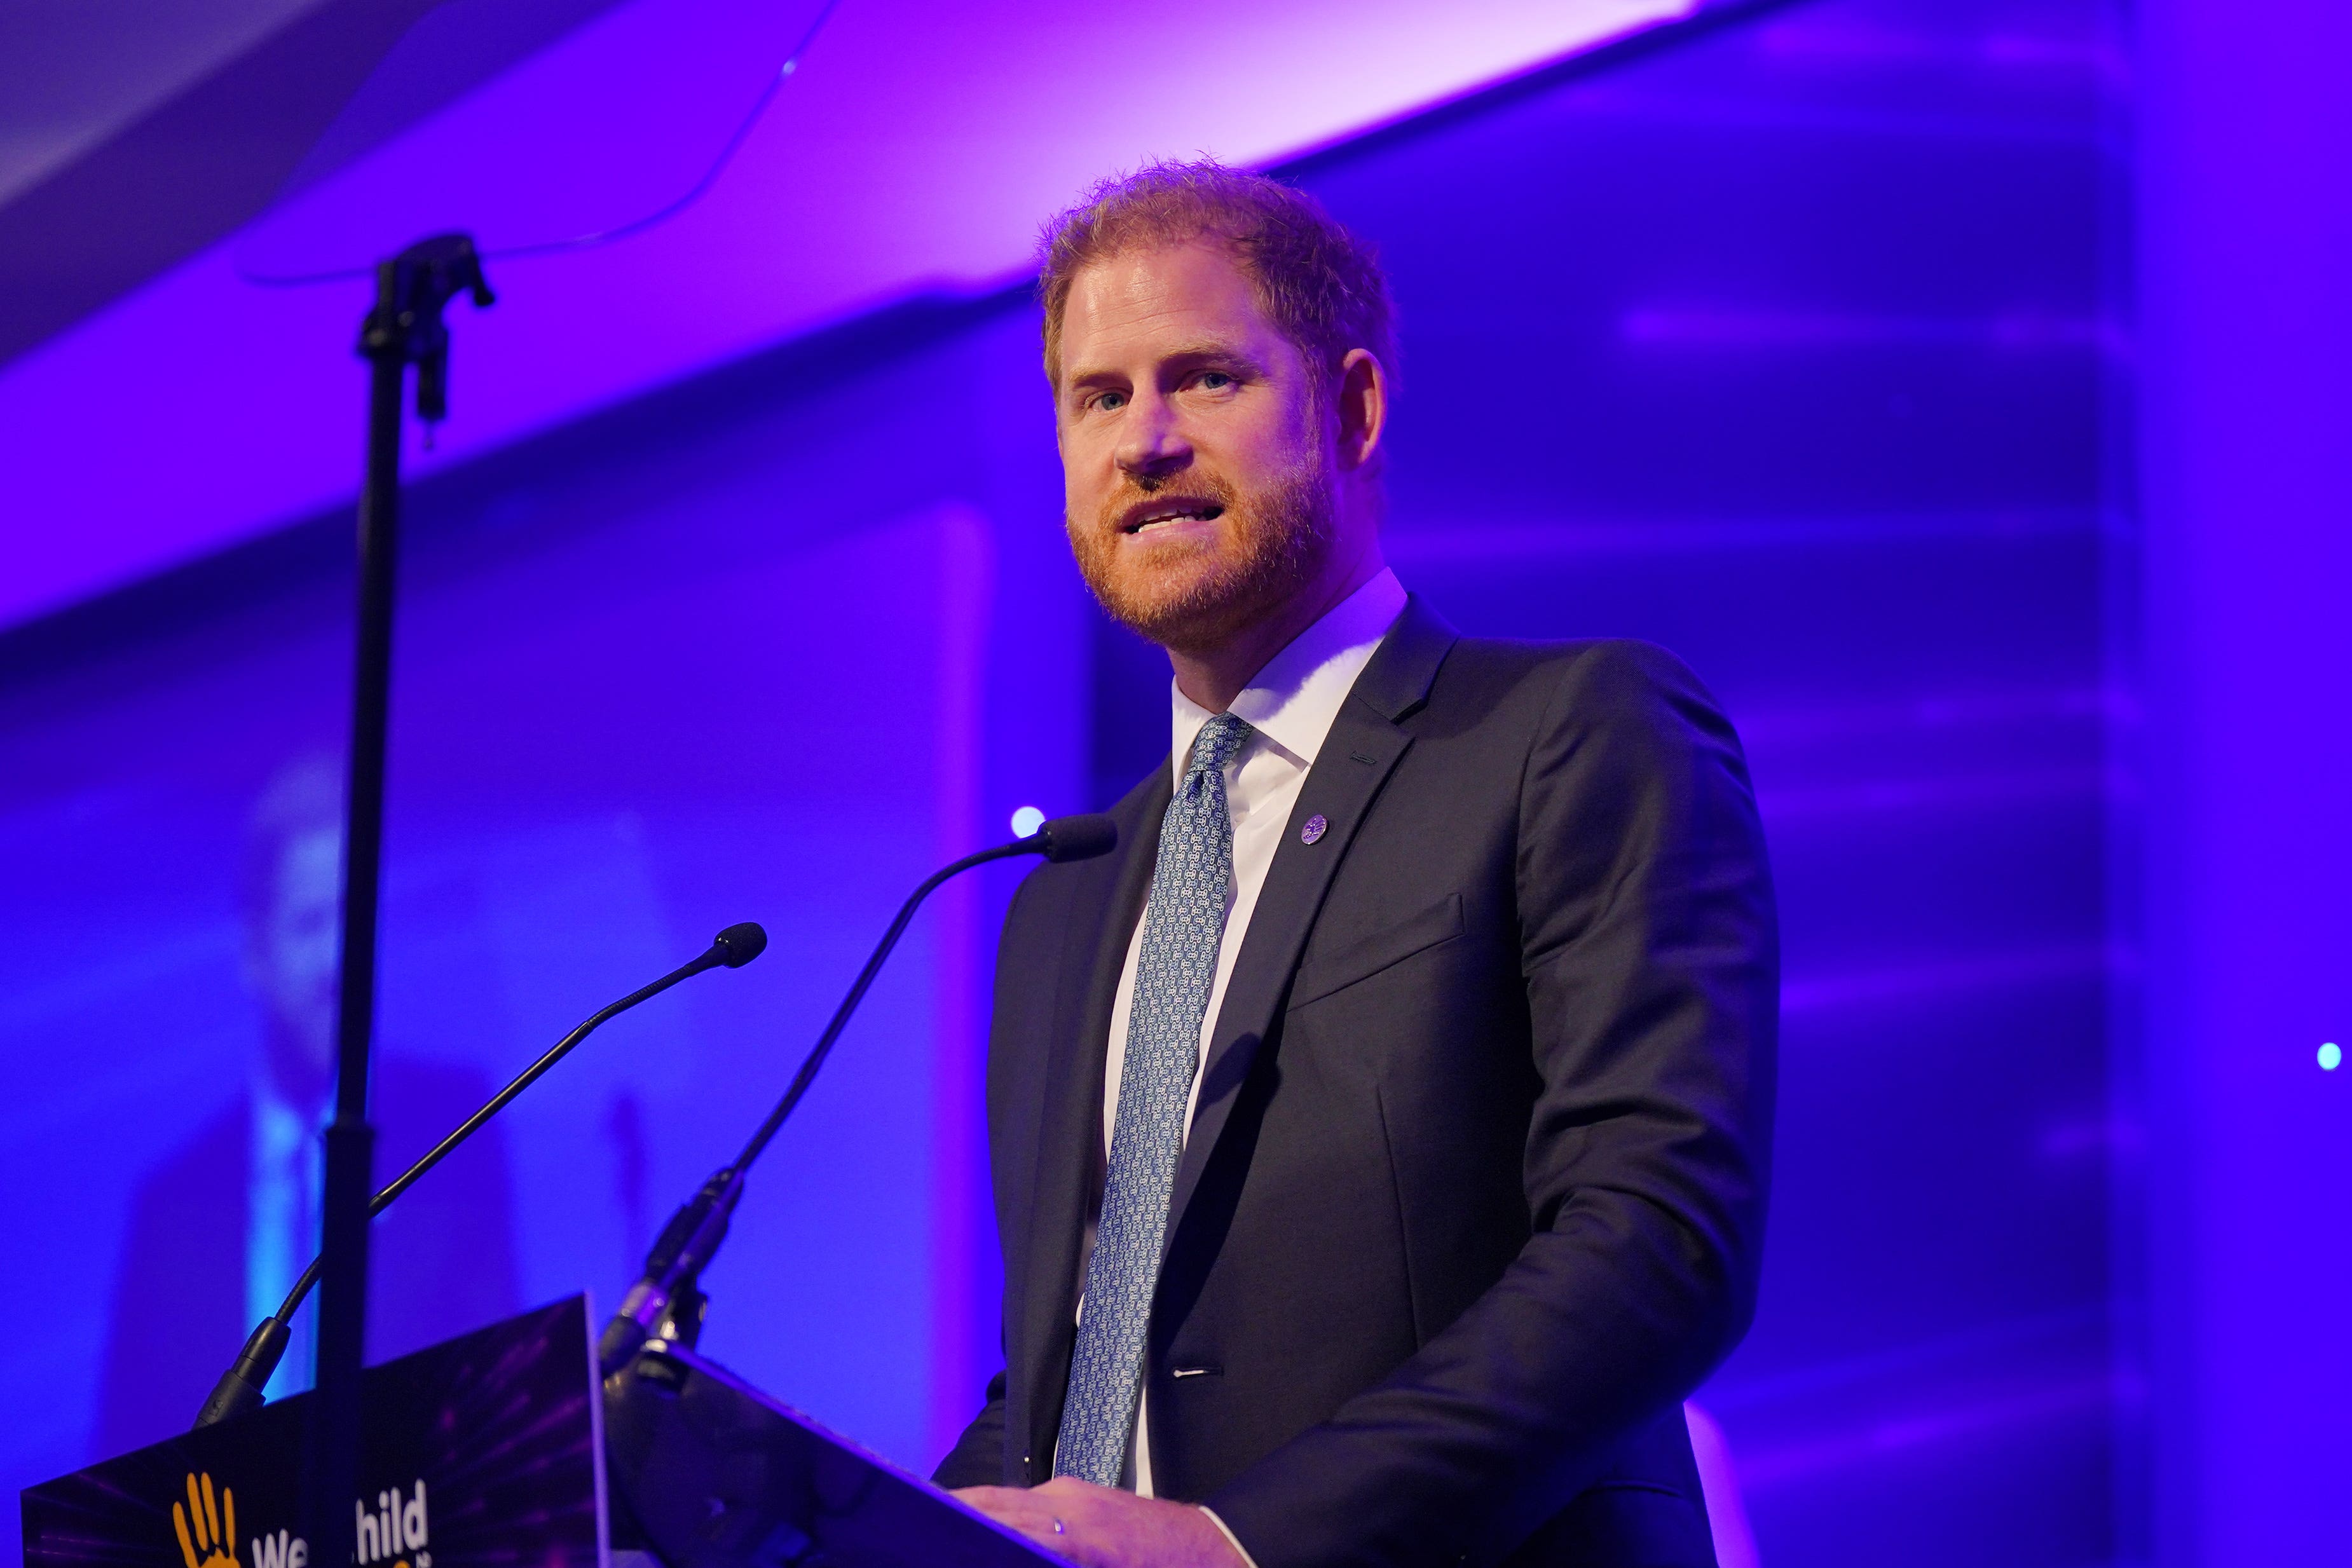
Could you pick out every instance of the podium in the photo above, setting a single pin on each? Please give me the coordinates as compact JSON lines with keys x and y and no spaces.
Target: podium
{"x":500,"y":1450}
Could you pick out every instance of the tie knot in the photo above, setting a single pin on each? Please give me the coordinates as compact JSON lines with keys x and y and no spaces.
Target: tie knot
{"x":1219,"y":739}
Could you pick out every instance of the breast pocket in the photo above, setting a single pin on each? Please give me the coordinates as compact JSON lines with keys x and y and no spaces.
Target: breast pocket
{"x":1321,"y":976}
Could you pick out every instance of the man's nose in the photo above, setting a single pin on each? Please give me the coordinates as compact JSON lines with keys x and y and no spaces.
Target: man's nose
{"x":1151,"y":441}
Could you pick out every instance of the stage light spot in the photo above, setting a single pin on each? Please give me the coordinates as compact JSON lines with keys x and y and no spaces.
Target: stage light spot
{"x":1028,"y":821}
{"x":2331,"y":1057}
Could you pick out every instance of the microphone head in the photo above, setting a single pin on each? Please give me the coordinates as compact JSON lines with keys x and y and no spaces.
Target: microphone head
{"x":739,"y":945}
{"x":1078,"y":838}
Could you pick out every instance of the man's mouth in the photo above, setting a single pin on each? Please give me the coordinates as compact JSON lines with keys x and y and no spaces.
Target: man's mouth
{"x":1146,"y":517}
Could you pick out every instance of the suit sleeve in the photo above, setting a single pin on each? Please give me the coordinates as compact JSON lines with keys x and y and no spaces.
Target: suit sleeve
{"x":1651,"y":959}
{"x":978,"y":1458}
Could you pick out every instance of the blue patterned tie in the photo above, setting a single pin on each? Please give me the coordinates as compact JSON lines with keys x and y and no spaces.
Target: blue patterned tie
{"x":1182,"y":928}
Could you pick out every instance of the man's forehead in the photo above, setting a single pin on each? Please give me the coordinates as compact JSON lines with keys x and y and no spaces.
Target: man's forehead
{"x":1166,"y":295}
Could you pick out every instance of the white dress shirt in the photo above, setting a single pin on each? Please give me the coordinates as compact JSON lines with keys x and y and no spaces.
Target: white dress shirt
{"x":1291,"y":704}
{"x":281,"y":1222}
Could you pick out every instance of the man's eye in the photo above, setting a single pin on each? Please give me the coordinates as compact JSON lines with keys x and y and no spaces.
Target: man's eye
{"x":1215,"y":381}
{"x":1111,"y":401}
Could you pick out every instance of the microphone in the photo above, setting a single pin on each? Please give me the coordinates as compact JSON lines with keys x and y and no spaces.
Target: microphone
{"x":1073,"y":838}
{"x":239,"y":1389}
{"x":667,"y":1297}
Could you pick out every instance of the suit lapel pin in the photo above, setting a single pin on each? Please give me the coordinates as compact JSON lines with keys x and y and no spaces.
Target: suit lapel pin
{"x":1313,"y":830}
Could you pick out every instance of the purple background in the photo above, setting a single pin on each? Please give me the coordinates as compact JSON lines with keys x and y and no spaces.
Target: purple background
{"x":1957,"y":385}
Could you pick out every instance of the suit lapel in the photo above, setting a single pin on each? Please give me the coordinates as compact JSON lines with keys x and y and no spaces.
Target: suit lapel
{"x":1102,"y":916}
{"x":1356,"y":758}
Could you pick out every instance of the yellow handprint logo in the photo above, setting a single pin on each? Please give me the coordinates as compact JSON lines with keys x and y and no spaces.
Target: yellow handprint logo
{"x":203,"y":1542}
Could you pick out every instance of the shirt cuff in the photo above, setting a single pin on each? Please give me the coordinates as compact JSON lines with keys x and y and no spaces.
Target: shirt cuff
{"x":1243,"y":1551}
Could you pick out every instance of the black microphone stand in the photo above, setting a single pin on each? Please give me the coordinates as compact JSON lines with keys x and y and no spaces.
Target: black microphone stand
{"x":239,"y":1388}
{"x":403,"y":328}
{"x":667,"y":1301}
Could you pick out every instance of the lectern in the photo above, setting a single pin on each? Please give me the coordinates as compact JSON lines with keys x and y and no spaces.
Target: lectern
{"x":500,"y":1448}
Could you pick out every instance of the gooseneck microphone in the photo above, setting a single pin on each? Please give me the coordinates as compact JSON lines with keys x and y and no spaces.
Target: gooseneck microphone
{"x":239,"y":1389}
{"x":667,"y":1293}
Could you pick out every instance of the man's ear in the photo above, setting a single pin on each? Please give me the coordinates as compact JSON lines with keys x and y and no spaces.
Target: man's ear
{"x":1362,"y":406}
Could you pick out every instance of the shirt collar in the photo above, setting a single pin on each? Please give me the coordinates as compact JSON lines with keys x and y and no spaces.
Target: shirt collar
{"x":279,"y":1132}
{"x":1293,"y":701}
{"x":278,"y":1125}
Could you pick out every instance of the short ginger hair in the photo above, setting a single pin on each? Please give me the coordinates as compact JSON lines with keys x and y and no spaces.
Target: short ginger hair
{"x":1320,"y":285}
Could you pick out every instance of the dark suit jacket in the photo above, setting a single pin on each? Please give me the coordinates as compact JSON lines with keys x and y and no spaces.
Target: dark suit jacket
{"x":1475,"y":1192}
{"x":441,"y":1261}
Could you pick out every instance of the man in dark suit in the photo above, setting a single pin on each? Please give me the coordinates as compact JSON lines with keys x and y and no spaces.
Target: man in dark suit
{"x":219,"y":1230}
{"x":1379,"y":1134}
